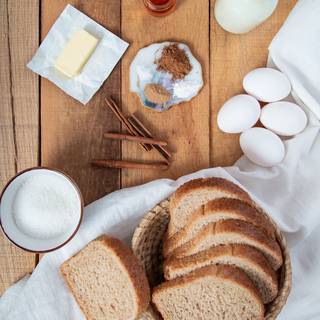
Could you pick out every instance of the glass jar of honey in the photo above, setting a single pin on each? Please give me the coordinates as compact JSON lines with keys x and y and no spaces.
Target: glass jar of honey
{"x":160,"y":7}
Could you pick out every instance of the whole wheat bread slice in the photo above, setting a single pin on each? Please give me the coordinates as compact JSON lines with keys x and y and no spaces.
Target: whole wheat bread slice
{"x":214,"y":292}
{"x":232,"y":232}
{"x":150,"y":314}
{"x":213,"y":211}
{"x":107,"y":281}
{"x":194,"y":194}
{"x":247,"y":258}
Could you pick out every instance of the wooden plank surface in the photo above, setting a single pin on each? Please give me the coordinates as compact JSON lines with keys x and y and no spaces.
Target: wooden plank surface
{"x":185,"y":127}
{"x":232,"y":56}
{"x":71,"y":134}
{"x":19,"y":115}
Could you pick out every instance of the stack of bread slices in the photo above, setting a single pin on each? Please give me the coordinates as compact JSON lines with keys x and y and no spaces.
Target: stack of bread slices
{"x":221,"y":255}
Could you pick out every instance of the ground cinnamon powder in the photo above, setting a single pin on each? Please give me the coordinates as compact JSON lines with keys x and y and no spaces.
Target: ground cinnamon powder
{"x":156,"y":93}
{"x":175,"y":61}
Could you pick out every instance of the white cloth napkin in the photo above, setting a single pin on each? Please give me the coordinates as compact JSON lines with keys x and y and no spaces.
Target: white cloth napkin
{"x":289,"y":192}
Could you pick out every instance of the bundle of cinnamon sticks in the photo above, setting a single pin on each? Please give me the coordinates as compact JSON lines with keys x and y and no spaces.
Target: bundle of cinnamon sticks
{"x":138,"y":133}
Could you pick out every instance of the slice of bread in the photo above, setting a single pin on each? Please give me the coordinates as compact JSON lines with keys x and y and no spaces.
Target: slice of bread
{"x":213,"y":211}
{"x":150,"y":314}
{"x":214,"y":292}
{"x":107,"y":281}
{"x":247,"y":258}
{"x":232,"y":232}
{"x":194,"y":194}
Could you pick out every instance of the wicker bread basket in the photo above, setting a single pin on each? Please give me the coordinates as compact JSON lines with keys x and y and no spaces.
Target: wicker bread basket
{"x":147,"y":246}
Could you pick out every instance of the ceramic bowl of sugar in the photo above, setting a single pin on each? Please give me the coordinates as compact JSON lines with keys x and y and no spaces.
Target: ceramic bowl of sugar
{"x":40,"y":209}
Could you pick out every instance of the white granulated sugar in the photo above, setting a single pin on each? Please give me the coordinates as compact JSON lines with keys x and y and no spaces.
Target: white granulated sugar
{"x":46,"y":206}
{"x":182,"y":88}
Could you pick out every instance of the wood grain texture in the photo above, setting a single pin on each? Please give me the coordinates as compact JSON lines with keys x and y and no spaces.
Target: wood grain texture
{"x":19,"y":114}
{"x":186,"y":126}
{"x":232,"y":56}
{"x":72,"y":134}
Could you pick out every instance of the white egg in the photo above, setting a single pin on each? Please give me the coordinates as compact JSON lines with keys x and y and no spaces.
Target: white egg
{"x":284,"y":118}
{"x":241,"y":16}
{"x":266,"y":84}
{"x":262,"y":146}
{"x":239,"y":113}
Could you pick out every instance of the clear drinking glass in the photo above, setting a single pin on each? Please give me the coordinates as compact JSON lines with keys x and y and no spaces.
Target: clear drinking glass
{"x":160,"y":7}
{"x":241,"y":16}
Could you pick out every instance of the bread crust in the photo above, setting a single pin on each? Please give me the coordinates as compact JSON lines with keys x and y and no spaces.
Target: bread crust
{"x":135,"y":271}
{"x":237,"y":209}
{"x":130,"y":264}
{"x":246,"y":210}
{"x":205,"y":183}
{"x":239,"y":251}
{"x":234,"y":227}
{"x":224,"y":272}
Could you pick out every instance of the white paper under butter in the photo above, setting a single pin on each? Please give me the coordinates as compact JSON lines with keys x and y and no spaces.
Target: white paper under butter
{"x":99,"y":66}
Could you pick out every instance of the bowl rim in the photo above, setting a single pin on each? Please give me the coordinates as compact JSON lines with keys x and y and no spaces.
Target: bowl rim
{"x":79,"y":195}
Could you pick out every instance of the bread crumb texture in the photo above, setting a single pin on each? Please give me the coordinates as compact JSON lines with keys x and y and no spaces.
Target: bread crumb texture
{"x":107,"y":281}
{"x":215,"y":292}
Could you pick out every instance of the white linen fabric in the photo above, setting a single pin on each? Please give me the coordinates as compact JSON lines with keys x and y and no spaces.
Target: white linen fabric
{"x":289,"y":192}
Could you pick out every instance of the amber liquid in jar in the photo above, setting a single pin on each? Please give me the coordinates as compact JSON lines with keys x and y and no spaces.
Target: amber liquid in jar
{"x":160,"y":7}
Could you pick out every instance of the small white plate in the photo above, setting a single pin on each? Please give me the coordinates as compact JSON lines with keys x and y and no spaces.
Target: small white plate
{"x":8,"y":224}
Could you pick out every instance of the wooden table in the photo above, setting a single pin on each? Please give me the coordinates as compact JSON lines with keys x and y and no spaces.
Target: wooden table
{"x":41,"y":125}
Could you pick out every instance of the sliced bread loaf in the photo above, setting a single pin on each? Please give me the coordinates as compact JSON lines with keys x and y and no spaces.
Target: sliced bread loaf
{"x":232,"y":232}
{"x":213,"y":211}
{"x":214,"y":292}
{"x":195,"y":193}
{"x":107,"y":281}
{"x":150,"y":314}
{"x":247,"y":258}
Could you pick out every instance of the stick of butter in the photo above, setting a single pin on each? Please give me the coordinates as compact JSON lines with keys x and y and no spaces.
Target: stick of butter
{"x":76,"y":53}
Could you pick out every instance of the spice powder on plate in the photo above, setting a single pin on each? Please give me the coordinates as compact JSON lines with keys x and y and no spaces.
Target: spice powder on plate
{"x":175,"y":61}
{"x":156,"y":93}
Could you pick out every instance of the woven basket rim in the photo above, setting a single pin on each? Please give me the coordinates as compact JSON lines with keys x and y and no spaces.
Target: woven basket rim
{"x":160,"y":213}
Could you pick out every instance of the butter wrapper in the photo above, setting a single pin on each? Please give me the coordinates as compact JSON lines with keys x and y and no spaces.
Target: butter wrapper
{"x":97,"y":69}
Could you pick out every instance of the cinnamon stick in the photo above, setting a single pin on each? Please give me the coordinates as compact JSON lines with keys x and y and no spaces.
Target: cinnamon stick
{"x":124,"y":121}
{"x":120,"y":164}
{"x":141,"y":125}
{"x":138,"y":129}
{"x":146,"y":133}
{"x":121,"y":136}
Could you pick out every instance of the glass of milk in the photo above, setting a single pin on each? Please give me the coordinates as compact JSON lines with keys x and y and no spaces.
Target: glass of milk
{"x":241,"y":16}
{"x":40,"y":209}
